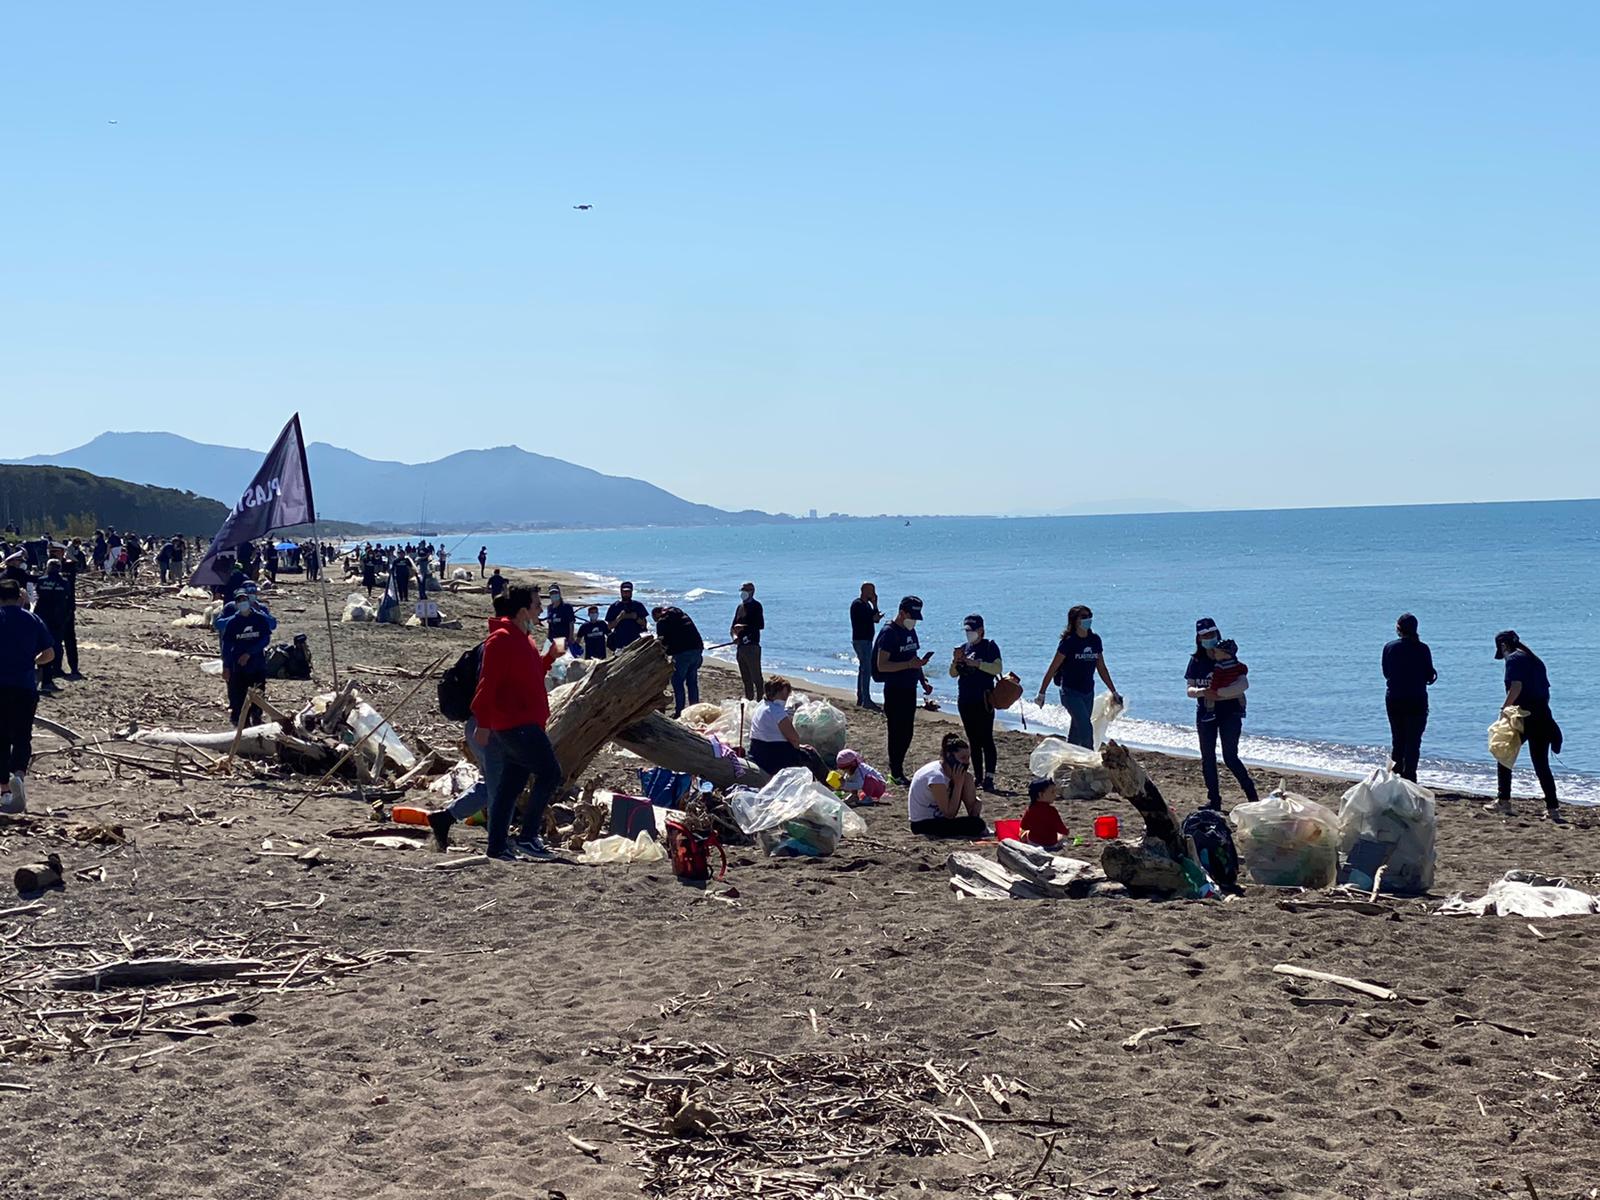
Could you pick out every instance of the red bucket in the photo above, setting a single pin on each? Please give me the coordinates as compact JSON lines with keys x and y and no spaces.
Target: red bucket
{"x":1011,"y":830}
{"x":1107,"y":827}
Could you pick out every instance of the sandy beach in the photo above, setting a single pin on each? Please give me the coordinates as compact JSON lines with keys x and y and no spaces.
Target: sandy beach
{"x":489,"y":1032}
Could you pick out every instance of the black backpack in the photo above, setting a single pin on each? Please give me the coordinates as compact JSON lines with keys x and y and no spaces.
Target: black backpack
{"x":459,"y":683}
{"x":1208,"y":830}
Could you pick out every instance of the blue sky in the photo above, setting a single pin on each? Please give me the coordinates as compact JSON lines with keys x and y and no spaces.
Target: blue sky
{"x":904,"y":257}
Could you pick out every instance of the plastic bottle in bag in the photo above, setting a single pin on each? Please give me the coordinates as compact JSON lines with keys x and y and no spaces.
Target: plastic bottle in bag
{"x":1286,"y":840}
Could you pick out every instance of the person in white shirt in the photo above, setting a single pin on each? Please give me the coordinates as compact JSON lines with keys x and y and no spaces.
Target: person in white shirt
{"x":942,"y":789}
{"x":774,"y":744}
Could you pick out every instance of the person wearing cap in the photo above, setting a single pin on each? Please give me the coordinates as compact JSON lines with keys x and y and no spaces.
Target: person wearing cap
{"x":864,"y":619}
{"x":54,"y":598}
{"x":1219,"y":713}
{"x":749,"y":619}
{"x":592,"y":634}
{"x":627,"y":619}
{"x":560,"y":618}
{"x":1041,"y":822}
{"x":897,"y":660}
{"x":975,"y":665}
{"x":1528,"y":688}
{"x":680,"y":637}
{"x":1408,"y":672}
{"x":245,"y":636}
{"x":25,"y":646}
{"x":1078,"y":656}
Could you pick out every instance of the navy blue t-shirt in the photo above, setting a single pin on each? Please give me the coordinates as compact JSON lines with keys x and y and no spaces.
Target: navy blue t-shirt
{"x":1198,"y":674}
{"x":628,"y":632}
{"x":22,"y":637}
{"x":1080,"y":655}
{"x":901,"y":645}
{"x":1524,"y":668}
{"x":1408,"y":666}
{"x":559,"y":619}
{"x":974,"y":684}
{"x":593,"y":635}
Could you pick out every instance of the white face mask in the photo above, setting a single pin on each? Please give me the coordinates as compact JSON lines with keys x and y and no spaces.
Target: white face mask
{"x":913,"y":622}
{"x":746,"y":594}
{"x":974,"y":636}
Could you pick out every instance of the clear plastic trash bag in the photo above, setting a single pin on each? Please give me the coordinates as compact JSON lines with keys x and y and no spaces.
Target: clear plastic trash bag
{"x":1389,"y":822}
{"x":823,"y":726}
{"x":1079,"y":774}
{"x":618,"y":849}
{"x":1287,"y":840}
{"x":1105,"y":711}
{"x":795,"y":809}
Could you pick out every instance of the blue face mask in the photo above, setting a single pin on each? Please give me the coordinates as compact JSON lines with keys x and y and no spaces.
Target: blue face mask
{"x":1210,"y":643}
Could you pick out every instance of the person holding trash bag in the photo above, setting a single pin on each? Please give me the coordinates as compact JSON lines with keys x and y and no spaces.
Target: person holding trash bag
{"x":774,"y":742}
{"x":1528,"y":688}
{"x":1219,"y":713}
{"x":975,"y":665}
{"x":1078,"y":656}
{"x":1408,"y":670}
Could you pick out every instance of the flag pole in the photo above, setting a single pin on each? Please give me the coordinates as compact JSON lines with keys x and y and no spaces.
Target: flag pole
{"x":327,"y":613}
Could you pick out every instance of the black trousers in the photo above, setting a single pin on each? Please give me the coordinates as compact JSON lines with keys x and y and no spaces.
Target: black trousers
{"x":58,"y":631}
{"x":240,"y":681}
{"x":1407,"y":721}
{"x":900,"y":712}
{"x":952,"y":827}
{"x":17,"y":706}
{"x":1538,"y":732}
{"x":773,"y":757}
{"x":69,"y":643}
{"x":1226,"y":723}
{"x":977,"y":718}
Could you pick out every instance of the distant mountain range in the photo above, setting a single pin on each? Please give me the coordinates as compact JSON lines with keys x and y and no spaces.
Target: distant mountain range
{"x":503,"y":486}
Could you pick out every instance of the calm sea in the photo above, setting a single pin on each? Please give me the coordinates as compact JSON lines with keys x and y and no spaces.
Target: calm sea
{"x":1310,"y":596}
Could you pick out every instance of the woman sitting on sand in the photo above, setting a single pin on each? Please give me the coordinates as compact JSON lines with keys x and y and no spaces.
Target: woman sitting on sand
{"x":942,"y":789}
{"x":774,"y":744}
{"x":1219,"y":708}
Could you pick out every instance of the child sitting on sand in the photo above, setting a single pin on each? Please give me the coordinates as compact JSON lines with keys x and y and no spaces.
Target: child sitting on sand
{"x":859,"y":778}
{"x":1041,"y":823}
{"x":1226,"y":669}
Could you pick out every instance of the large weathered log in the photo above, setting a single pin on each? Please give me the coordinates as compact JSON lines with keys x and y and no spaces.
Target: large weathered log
{"x":617,"y":693}
{"x":668,"y":744}
{"x":991,"y":876}
{"x":1056,"y":875}
{"x":137,"y":972}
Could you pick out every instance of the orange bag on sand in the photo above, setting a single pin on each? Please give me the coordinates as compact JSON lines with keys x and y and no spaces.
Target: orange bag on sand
{"x":1007,"y":691}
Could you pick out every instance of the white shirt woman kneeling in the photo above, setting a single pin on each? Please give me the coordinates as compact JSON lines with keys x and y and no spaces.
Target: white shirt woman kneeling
{"x":944,"y":789}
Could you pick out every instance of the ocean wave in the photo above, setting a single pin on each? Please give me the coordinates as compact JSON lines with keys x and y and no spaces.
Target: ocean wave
{"x":701,"y":593}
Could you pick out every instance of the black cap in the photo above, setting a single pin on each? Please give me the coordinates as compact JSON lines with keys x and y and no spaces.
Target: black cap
{"x":911,"y":605}
{"x":1504,"y":638}
{"x":972,"y":621}
{"x":1204,"y":625}
{"x":626,"y":583}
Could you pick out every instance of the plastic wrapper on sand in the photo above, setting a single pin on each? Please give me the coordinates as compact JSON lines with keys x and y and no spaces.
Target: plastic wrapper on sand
{"x":617,"y":849}
{"x":1389,"y":822}
{"x":1287,"y":841}
{"x":1524,"y":894}
{"x":794,"y":814}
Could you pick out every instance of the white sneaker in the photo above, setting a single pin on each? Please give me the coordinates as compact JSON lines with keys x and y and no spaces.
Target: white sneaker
{"x":1501,"y":808}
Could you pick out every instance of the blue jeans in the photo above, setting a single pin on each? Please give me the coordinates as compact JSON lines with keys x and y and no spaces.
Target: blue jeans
{"x":512,"y":757}
{"x":1080,"y":707}
{"x":476,"y":798}
{"x":686,"y":678}
{"x":864,"y":671}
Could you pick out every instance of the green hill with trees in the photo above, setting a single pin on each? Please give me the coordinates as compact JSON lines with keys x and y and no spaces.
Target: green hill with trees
{"x":75,"y":503}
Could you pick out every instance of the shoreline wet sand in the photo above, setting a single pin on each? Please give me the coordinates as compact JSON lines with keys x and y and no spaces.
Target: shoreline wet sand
{"x":468,"y":1056}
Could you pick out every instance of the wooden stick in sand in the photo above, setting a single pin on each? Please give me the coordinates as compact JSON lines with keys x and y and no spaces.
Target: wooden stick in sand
{"x":1344,"y":981}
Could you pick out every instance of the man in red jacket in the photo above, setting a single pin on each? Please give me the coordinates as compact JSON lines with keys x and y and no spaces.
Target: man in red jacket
{"x":511,"y":708}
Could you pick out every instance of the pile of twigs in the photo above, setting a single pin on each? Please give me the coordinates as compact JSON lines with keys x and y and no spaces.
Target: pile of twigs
{"x":704,"y":1122}
{"x":82,"y":999}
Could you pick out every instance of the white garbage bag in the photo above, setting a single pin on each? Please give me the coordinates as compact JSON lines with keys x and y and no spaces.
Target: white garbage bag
{"x":1505,"y":736}
{"x":1389,"y":822}
{"x":1287,"y":840}
{"x":823,"y":726}
{"x":363,"y":719}
{"x":1524,"y":894}
{"x":794,"y":814}
{"x":1079,"y":774}
{"x":1103,"y":714}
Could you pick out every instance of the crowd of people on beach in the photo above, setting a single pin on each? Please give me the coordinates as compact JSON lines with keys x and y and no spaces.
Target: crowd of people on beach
{"x":38,"y":582}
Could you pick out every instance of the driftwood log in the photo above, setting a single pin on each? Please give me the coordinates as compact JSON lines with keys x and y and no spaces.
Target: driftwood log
{"x":584,"y":716}
{"x":139,"y":971}
{"x":668,"y":744}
